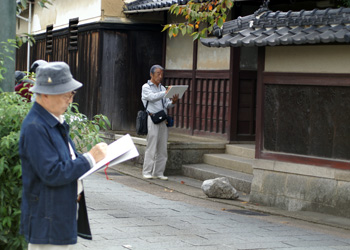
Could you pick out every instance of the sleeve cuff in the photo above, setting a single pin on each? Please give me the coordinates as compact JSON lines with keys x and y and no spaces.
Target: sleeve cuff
{"x":90,"y":159}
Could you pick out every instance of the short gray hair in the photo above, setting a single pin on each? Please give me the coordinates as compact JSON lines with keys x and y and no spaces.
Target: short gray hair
{"x":154,"y":67}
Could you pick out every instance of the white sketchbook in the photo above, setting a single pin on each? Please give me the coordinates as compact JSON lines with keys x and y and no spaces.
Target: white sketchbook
{"x":118,"y":151}
{"x":176,"y":89}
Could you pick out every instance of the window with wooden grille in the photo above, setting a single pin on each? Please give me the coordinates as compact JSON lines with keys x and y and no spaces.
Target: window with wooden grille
{"x":73,"y":34}
{"x":49,"y":36}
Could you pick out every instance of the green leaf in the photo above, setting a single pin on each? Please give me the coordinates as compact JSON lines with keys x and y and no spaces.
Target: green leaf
{"x":165,"y":27}
{"x":170,"y":33}
{"x":189,"y":29}
{"x":195,"y":36}
{"x":220,"y":22}
{"x":183,"y":30}
{"x":176,"y":31}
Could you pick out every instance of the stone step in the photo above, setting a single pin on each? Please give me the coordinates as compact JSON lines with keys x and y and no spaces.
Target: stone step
{"x":238,"y":180}
{"x":242,"y":150}
{"x":229,"y":161}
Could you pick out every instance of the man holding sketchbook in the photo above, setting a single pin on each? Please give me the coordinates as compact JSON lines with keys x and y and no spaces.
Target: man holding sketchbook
{"x":153,"y":98}
{"x":53,"y":204}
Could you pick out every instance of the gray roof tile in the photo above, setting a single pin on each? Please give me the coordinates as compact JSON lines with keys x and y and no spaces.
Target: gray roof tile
{"x":151,"y":4}
{"x":268,"y":28}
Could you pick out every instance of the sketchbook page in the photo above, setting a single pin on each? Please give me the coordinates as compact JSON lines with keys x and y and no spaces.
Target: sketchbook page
{"x":176,"y":89}
{"x":114,"y":150}
{"x":132,"y":153}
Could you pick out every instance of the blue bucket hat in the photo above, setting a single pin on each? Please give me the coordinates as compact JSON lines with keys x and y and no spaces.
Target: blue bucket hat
{"x":54,"y":78}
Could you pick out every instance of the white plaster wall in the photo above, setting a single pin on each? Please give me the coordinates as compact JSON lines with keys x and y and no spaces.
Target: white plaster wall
{"x":61,"y":11}
{"x":179,"y":53}
{"x":213,"y":58}
{"x":179,"y":49}
{"x":308,"y":59}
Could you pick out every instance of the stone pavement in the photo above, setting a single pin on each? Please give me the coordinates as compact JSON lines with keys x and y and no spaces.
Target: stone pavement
{"x":128,"y":212}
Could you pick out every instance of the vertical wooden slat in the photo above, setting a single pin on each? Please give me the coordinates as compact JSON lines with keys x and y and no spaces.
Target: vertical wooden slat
{"x":194,"y":86}
{"x":252,"y":109}
{"x":260,"y":103}
{"x":233,"y":92}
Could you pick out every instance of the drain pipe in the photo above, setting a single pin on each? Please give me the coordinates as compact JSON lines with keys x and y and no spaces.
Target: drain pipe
{"x":29,"y":32}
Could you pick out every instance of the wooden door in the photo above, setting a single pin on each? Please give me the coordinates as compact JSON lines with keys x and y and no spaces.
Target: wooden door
{"x":243,"y":94}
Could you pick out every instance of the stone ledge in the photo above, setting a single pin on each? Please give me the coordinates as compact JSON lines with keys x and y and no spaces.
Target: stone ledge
{"x":296,"y":187}
{"x":302,"y":169}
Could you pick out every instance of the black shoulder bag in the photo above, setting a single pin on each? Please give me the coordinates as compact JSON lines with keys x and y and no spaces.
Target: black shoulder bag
{"x":159,"y":116}
{"x":141,"y":121}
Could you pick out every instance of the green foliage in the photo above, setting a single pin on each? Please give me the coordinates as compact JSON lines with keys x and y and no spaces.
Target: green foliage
{"x":23,"y":4}
{"x":85,"y":133}
{"x":196,"y":13}
{"x":24,"y":38}
{"x":346,"y":3}
{"x":6,"y":52}
{"x":13,"y":109}
{"x":20,"y":6}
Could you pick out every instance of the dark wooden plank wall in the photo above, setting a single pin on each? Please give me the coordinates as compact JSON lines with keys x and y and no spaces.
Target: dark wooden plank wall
{"x":83,"y":63}
{"x":125,"y":66}
{"x":112,"y":64}
{"x":86,"y":70}
{"x":21,"y":58}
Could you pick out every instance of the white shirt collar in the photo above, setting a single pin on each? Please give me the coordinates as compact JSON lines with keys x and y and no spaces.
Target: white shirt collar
{"x":60,"y":119}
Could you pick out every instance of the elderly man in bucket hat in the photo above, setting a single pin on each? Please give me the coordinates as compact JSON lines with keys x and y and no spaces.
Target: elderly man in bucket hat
{"x":53,"y":204}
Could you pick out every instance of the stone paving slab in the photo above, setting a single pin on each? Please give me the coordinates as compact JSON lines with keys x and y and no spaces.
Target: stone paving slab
{"x":191,"y":187}
{"x":123,"y":217}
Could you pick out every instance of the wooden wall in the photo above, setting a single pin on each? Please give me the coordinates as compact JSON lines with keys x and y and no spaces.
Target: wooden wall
{"x":300,"y":117}
{"x":112,"y":62}
{"x":204,"y":108}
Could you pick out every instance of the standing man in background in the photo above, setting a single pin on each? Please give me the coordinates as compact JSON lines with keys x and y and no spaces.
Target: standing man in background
{"x":53,"y":204}
{"x":153,"y":96}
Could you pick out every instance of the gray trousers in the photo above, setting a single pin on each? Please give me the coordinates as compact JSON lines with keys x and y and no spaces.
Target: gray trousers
{"x":156,"y":154}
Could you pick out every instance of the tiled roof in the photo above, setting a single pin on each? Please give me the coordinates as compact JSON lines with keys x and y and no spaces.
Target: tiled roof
{"x":267,"y":28}
{"x":144,"y":5}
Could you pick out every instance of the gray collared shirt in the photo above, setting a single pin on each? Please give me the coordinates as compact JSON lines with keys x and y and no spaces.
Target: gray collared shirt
{"x":155,"y":97}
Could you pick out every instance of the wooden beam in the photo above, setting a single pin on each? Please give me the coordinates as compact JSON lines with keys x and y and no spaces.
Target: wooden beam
{"x":319,"y":79}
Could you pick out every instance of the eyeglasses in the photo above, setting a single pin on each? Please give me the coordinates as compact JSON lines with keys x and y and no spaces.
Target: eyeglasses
{"x":70,"y":95}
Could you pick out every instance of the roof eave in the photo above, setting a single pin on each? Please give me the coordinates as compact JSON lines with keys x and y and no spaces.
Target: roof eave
{"x":146,"y":10}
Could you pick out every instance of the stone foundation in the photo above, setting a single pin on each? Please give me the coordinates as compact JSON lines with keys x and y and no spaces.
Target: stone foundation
{"x":179,"y":152}
{"x":297,"y":187}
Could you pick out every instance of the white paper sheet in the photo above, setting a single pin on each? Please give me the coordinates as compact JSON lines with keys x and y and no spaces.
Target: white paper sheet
{"x":176,"y":89}
{"x":118,"y":151}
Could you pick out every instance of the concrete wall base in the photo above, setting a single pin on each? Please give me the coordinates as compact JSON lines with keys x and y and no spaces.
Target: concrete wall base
{"x":298,"y":187}
{"x":179,"y":153}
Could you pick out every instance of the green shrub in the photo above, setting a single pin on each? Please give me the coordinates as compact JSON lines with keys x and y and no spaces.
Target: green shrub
{"x":12,"y":112}
{"x":13,"y":109}
{"x":84,"y":132}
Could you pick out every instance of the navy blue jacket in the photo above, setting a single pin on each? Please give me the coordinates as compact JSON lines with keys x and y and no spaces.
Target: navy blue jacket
{"x":49,"y":176}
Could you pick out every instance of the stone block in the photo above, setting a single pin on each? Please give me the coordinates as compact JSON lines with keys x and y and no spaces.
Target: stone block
{"x":302,"y":169}
{"x":263,"y":164}
{"x":342,"y":199}
{"x":296,"y":187}
{"x":258,"y":179}
{"x":321,"y":191}
{"x":296,"y":204}
{"x":274,"y":183}
{"x":342,"y":175}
